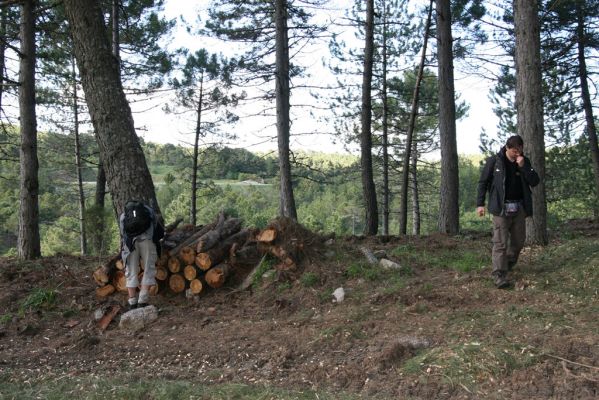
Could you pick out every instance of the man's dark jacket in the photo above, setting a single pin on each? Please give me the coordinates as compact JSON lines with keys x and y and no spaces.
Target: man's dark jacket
{"x":492,"y":179}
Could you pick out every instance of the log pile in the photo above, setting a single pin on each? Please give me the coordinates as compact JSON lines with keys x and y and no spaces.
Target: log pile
{"x":194,"y":258}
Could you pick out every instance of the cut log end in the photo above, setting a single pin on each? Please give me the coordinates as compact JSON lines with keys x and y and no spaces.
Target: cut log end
{"x":196,"y":286}
{"x":187,"y":254}
{"x":203,"y":261}
{"x":267,"y":235}
{"x":176,"y":283}
{"x":216,"y":276}
{"x":174,"y":265}
{"x":161,"y":273}
{"x":190,"y":272}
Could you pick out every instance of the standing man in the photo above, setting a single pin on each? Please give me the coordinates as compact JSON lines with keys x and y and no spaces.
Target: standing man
{"x":508,"y":177}
{"x":140,"y":234}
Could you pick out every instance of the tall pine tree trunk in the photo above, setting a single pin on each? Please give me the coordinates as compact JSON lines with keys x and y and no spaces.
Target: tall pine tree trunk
{"x":287,"y":201}
{"x":586,"y":100}
{"x":28,"y":244}
{"x":449,"y":212}
{"x":196,"y":150}
{"x":81,"y":193}
{"x":368,"y":188}
{"x":415,"y":194}
{"x":3,"y":22}
{"x":385,"y":139}
{"x":529,"y":106}
{"x":127,"y":173}
{"x":100,"y":196}
{"x":403,"y":210}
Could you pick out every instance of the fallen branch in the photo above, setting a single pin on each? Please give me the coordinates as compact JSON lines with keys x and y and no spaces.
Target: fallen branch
{"x":571,"y":362}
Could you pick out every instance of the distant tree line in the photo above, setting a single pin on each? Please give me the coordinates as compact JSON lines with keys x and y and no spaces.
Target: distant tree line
{"x":82,"y":63}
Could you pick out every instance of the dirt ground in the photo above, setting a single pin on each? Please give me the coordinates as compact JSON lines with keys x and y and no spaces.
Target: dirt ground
{"x":285,"y":333}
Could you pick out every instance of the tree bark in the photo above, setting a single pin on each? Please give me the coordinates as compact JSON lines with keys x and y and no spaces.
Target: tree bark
{"x":28,"y":244}
{"x":218,"y":253}
{"x":81,"y":193}
{"x":449,"y":212}
{"x":368,"y":188}
{"x":211,"y":238}
{"x":405,"y":181}
{"x":99,"y":205}
{"x":529,"y":106}
{"x":385,"y":138}
{"x":415,"y":194}
{"x":127,"y":173}
{"x":287,"y":200}
{"x":586,"y":99}
{"x":196,"y":145}
{"x":3,"y":23}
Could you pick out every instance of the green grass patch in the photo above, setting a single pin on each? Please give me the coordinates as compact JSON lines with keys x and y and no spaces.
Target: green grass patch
{"x":452,"y":258}
{"x":470,"y":364}
{"x":155,"y":389}
{"x":571,"y":267}
{"x":265,"y":266}
{"x":309,"y":279}
{"x":38,"y":299}
{"x":365,"y":271}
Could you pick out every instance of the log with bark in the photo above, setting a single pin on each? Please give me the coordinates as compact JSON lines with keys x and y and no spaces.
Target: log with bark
{"x":229,"y":227}
{"x":197,"y":235}
{"x":224,"y":246}
{"x":105,"y":290}
{"x":217,"y":254}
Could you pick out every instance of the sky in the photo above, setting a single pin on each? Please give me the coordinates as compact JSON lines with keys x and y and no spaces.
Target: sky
{"x":259,"y":134}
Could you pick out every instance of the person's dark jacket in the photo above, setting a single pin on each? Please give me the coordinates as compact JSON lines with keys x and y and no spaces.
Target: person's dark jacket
{"x":492,"y":180}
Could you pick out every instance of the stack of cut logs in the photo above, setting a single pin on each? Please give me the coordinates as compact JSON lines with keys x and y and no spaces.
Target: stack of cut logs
{"x":193,"y":257}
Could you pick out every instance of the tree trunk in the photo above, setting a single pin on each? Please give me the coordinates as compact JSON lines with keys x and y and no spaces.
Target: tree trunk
{"x":99,"y":205}
{"x":287,"y":201}
{"x":3,"y":23}
{"x":127,"y":173}
{"x":415,"y":194}
{"x":81,"y":194}
{"x":449,"y":212}
{"x":586,"y":100}
{"x":368,"y":188}
{"x":405,"y":181}
{"x":529,"y":106}
{"x":115,"y":32}
{"x":385,"y":139}
{"x":28,"y":245}
{"x":194,"y":168}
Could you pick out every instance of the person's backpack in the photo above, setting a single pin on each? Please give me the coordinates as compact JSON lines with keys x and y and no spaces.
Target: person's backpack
{"x":137,"y":218}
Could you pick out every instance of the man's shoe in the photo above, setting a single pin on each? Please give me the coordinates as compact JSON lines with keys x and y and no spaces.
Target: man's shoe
{"x":132,"y":306}
{"x":142,"y":305}
{"x":501,"y":281}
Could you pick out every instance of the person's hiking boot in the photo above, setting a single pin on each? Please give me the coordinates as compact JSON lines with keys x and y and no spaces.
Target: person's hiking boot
{"x":142,"y":305}
{"x":132,"y":303}
{"x":500,"y":280}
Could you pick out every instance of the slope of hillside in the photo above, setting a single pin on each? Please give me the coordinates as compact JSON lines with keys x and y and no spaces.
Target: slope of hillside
{"x":435,"y":328}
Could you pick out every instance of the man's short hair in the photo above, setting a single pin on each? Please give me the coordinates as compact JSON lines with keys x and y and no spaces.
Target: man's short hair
{"x":514,"y":141}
